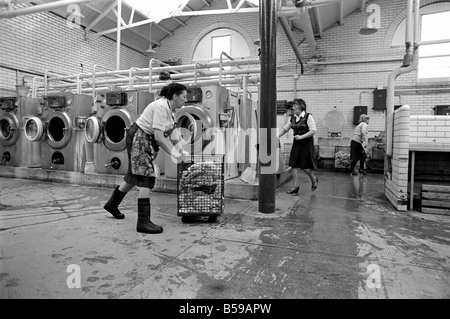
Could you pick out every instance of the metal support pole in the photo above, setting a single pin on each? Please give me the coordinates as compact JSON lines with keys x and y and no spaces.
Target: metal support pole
{"x":119,"y":15}
{"x":268,"y":99}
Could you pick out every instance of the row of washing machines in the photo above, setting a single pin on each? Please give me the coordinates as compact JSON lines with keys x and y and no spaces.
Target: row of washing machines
{"x":57,"y":131}
{"x":62,"y":132}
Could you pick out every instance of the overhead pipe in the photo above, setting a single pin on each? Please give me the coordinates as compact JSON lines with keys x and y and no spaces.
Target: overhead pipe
{"x":221,"y":62}
{"x":119,"y":34}
{"x":204,"y":75}
{"x":402,"y":70}
{"x":39,"y":8}
{"x":130,"y":78}
{"x":161,"y":69}
{"x":79,"y":83}
{"x":156,"y":77}
{"x":409,"y":32}
{"x":290,"y":37}
{"x":196,"y":72}
{"x":354,"y":61}
{"x":150,"y":71}
{"x":46,"y":79}
{"x":251,"y":80}
{"x":34,"y":86}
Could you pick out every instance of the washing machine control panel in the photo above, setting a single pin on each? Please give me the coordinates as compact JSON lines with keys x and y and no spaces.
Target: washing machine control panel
{"x":116,"y":98}
{"x":194,"y":95}
{"x":9,"y":103}
{"x":58,"y":101}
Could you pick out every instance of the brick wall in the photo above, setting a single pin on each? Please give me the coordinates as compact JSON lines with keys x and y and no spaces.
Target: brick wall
{"x":43,"y":41}
{"x":342,"y":85}
{"x":429,"y":129}
{"x":396,"y":181}
{"x":409,"y":131}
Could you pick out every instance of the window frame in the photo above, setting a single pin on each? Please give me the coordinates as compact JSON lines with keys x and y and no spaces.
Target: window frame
{"x":212,"y":44}
{"x":424,"y":43}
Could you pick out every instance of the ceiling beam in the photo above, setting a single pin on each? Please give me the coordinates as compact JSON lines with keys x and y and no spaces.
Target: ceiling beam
{"x":163,"y":29}
{"x":132,"y":15}
{"x":305,"y":21}
{"x":6,"y":14}
{"x":179,"y":21}
{"x":92,"y":35}
{"x":106,"y":12}
{"x":319,"y":21}
{"x":240,"y":4}
{"x":207,"y":3}
{"x":285,"y":25}
{"x":122,"y":22}
{"x":214,"y":12}
{"x":184,"y":5}
{"x":103,"y":14}
{"x":362,"y":4}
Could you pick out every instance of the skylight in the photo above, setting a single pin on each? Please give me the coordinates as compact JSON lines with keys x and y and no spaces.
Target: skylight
{"x":157,"y":10}
{"x":255,"y":2}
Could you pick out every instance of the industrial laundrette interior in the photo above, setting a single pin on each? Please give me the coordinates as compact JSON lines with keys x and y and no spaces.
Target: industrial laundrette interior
{"x":214,"y":150}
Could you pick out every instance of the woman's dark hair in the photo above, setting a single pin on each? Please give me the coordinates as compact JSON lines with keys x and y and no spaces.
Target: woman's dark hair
{"x":300,"y":102}
{"x":164,"y":91}
{"x":172,"y":89}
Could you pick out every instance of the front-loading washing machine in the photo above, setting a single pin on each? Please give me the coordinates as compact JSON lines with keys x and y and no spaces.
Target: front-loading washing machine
{"x":209,"y":124}
{"x":61,"y":131}
{"x":15,"y":149}
{"x":115,"y":111}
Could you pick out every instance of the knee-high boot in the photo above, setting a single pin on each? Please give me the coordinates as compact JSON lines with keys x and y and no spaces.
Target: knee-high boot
{"x":144,"y":225}
{"x":113,"y":203}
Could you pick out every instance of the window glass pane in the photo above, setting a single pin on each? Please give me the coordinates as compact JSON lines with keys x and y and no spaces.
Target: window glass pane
{"x":434,"y":68}
{"x":434,"y":49}
{"x":436,"y":26}
{"x":156,"y":9}
{"x":219,"y":45}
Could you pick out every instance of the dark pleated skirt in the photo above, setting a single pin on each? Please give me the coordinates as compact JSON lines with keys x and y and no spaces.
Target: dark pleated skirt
{"x":139,"y":180}
{"x":302,"y":154}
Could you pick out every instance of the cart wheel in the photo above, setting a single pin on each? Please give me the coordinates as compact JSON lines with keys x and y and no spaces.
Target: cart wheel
{"x":212,"y":219}
{"x":187,"y":219}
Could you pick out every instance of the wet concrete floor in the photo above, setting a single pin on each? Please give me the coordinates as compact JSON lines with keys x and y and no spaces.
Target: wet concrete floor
{"x":342,"y":241}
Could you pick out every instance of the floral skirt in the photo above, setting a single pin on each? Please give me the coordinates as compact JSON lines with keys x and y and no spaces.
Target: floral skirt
{"x":142,"y":150}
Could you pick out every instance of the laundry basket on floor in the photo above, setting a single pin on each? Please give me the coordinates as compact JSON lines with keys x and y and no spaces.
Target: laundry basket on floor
{"x":200,"y":187}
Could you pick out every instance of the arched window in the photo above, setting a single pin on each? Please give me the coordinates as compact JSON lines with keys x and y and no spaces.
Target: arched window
{"x":211,"y":46}
{"x":223,"y":39}
{"x":434,"y":63}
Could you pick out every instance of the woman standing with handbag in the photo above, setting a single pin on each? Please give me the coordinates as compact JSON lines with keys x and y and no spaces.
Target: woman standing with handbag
{"x":358,"y":145}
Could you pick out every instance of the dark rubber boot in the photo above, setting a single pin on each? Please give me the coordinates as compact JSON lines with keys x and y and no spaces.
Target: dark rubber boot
{"x":144,"y":225}
{"x":112,"y":205}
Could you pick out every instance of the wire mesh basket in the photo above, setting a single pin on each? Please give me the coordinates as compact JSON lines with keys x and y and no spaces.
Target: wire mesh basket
{"x":342,"y":157}
{"x":200,"y":186}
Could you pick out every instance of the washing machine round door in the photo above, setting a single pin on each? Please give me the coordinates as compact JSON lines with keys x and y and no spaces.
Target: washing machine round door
{"x":34,"y":129}
{"x":9,"y":128}
{"x":92,"y":129}
{"x":189,"y":128}
{"x":59,"y":129}
{"x":195,"y":123}
{"x":116,"y":123}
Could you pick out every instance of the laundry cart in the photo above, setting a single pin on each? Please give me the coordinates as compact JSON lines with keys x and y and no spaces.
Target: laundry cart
{"x":200,"y":187}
